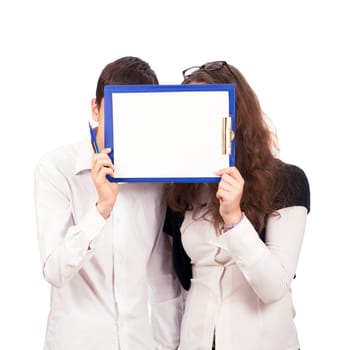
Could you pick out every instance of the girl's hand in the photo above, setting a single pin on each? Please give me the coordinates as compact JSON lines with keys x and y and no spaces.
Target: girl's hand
{"x":229,"y":193}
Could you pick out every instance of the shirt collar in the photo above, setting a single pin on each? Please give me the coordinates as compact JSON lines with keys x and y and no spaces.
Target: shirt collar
{"x":83,"y":159}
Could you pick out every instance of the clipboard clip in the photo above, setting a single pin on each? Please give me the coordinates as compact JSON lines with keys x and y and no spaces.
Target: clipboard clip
{"x":227,"y":135}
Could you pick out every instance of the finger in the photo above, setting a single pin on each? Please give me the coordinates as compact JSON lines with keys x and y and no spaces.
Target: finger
{"x":104,"y":172}
{"x":219,"y":195}
{"x":99,"y":158}
{"x":102,"y":163}
{"x":221,"y":172}
{"x":106,"y":150}
{"x":232,"y":171}
{"x":227,"y":182}
{"x":228,"y":196}
{"x":107,"y":171}
{"x":232,"y":176}
{"x":222,"y":195}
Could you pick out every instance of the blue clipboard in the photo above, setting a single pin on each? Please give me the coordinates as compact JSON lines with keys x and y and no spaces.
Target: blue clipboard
{"x":170,"y":133}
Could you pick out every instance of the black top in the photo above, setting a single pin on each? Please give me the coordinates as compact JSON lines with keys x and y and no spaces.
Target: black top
{"x":173,"y":220}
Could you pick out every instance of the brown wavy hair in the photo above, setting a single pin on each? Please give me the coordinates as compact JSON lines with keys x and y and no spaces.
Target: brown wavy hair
{"x":254,"y":158}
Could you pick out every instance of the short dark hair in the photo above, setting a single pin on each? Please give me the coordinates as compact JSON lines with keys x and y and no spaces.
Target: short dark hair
{"x":125,"y":71}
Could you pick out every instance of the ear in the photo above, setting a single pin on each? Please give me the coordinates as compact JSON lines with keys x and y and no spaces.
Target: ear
{"x":95,"y":110}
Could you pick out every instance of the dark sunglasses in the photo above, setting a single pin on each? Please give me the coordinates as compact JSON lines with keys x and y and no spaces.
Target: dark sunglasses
{"x":210,"y":66}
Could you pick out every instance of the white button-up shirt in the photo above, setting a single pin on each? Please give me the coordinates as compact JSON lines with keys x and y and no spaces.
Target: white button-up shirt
{"x":240,"y":290}
{"x":104,"y":274}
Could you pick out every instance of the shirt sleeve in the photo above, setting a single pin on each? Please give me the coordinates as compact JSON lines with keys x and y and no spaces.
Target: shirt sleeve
{"x":165,"y":295}
{"x":268,"y":267}
{"x":64,"y":245}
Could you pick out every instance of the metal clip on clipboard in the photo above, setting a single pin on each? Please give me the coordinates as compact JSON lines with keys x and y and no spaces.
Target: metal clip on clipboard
{"x":227,"y":135}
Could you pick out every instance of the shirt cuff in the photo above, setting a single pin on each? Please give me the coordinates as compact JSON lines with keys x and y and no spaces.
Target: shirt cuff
{"x":92,"y":223}
{"x":243,"y":244}
{"x":85,"y":233}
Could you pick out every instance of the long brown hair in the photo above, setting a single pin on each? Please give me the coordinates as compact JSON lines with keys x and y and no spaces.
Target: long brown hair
{"x":254,"y":159}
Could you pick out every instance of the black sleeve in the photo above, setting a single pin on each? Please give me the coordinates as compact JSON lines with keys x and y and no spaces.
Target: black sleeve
{"x":181,"y":261}
{"x":302,"y":194}
{"x":296,"y":189}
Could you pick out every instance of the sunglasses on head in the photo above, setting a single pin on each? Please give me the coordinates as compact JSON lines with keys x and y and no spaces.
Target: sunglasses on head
{"x":210,"y":66}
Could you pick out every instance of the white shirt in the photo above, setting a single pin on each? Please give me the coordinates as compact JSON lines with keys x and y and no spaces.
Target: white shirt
{"x":240,"y":288}
{"x":103,"y":273}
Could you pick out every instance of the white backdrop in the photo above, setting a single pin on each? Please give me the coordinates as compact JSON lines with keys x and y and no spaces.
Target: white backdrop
{"x":51,"y":55}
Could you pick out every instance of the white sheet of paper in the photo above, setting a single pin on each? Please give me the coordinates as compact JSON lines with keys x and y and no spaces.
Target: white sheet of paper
{"x":169,"y":134}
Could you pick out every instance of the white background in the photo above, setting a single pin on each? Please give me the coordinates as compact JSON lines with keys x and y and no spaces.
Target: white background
{"x":52,"y":53}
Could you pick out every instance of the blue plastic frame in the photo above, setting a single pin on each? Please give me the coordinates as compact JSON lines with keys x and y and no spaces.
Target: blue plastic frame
{"x":109,"y":128}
